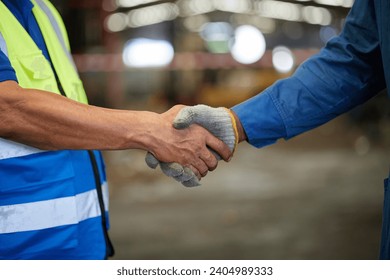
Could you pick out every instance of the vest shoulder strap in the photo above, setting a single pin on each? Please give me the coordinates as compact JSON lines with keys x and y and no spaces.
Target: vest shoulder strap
{"x":58,"y":26}
{"x":32,"y":69}
{"x":3,"y":45}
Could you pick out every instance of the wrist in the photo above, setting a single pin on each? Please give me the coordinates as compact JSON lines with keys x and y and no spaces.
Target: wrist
{"x":241,"y":132}
{"x":142,"y":130}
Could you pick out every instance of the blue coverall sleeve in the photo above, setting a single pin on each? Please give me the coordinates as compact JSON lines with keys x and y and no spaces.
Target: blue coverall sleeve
{"x":345,"y":73}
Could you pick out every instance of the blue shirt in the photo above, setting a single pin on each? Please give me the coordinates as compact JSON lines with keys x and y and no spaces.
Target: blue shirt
{"x":22,"y":10}
{"x":348,"y":71}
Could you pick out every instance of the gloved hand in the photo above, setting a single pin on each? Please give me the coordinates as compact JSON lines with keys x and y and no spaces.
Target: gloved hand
{"x":218,"y":121}
{"x":175,"y":170}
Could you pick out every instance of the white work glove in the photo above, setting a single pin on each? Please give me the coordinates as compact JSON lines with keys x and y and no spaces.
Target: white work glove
{"x":175,"y":170}
{"x":218,"y":121}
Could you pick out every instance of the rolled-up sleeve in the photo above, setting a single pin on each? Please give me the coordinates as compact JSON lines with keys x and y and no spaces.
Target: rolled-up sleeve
{"x":345,"y":73}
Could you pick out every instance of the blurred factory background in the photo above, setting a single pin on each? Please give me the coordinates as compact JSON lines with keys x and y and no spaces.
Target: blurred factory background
{"x":190,"y":51}
{"x":318,"y":196}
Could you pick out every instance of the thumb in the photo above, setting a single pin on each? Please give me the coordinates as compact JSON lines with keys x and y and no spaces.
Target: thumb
{"x":189,"y":115}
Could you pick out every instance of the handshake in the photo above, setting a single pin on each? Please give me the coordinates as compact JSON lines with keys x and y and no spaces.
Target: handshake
{"x":219,"y":122}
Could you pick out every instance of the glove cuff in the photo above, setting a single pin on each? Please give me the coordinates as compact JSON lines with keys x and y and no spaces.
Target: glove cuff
{"x":235,"y":129}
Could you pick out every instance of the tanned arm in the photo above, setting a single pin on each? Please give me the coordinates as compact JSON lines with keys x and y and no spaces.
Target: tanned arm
{"x":52,"y":122}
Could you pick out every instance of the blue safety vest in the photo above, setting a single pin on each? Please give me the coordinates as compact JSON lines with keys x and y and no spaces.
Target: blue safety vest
{"x":53,"y":204}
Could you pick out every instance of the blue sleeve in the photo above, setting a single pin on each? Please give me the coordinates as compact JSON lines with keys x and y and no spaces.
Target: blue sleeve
{"x":345,"y":73}
{"x":6,"y":70}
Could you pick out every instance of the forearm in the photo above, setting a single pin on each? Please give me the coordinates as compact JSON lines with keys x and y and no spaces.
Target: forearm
{"x":49,"y":121}
{"x":52,"y":122}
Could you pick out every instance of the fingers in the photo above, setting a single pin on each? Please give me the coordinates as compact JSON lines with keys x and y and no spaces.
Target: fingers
{"x":201,"y":160}
{"x":193,"y":180}
{"x":195,"y":172}
{"x":210,"y":159}
{"x":184,"y":175}
{"x":151,"y":161}
{"x":204,"y":160}
{"x":180,"y":173}
{"x":196,"y":146}
{"x":173,"y":169}
{"x":200,"y":167}
{"x":219,"y":147}
{"x":220,"y":122}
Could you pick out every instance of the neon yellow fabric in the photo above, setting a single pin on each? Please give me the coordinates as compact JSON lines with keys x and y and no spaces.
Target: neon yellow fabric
{"x":31,"y":67}
{"x":59,"y":21}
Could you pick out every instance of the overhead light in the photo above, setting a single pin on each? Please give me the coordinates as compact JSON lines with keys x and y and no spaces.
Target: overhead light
{"x":116,"y":22}
{"x":249,"y":44}
{"x":265,"y":25}
{"x":316,"y":15}
{"x":153,"y":14}
{"x":191,"y":7}
{"x":132,"y":3}
{"x":294,"y":12}
{"x":280,"y":10}
{"x":282,"y":59}
{"x":233,"y":6}
{"x":144,"y":53}
{"x":341,"y":3}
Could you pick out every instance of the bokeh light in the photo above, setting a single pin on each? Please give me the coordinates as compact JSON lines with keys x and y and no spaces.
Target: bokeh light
{"x":142,"y":53}
{"x":249,"y":44}
{"x":282,"y":59}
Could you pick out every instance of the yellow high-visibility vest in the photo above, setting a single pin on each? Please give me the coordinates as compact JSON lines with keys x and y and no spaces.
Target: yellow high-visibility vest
{"x":31,"y":67}
{"x":53,"y":204}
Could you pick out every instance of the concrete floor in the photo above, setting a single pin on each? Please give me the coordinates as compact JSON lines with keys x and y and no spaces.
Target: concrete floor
{"x":318,"y":196}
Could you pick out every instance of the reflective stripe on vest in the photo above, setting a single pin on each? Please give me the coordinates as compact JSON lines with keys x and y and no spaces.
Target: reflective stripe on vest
{"x":11,"y":149}
{"x":50,"y":213}
{"x":61,"y":35}
{"x":3,"y":45}
{"x":59,"y":54}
